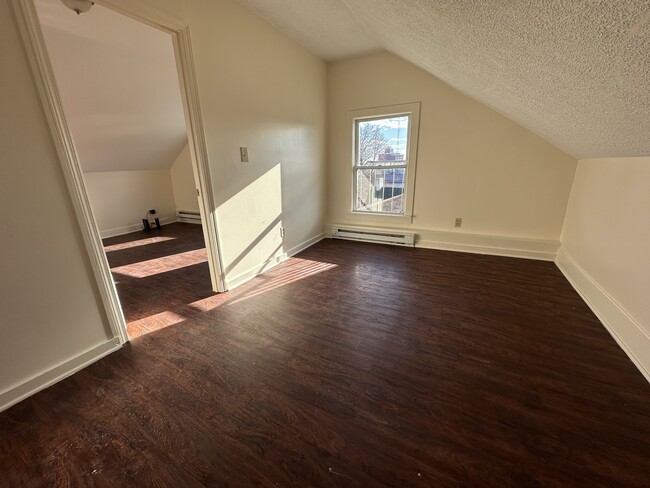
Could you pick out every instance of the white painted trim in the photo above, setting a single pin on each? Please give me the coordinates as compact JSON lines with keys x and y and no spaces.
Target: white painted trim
{"x":412,"y":109}
{"x":242,"y":278}
{"x":199,"y":154}
{"x":145,"y":13}
{"x":28,"y":24}
{"x":304,"y":245}
{"x":18,"y":393}
{"x":627,"y":332}
{"x":510,"y":248}
{"x":517,"y":247}
{"x":128,"y":229}
{"x":181,"y":39}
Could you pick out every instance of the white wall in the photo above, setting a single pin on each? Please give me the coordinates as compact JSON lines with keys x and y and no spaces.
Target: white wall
{"x":265,"y":92}
{"x":257,"y":88}
{"x":606,"y":247}
{"x":120,"y":92}
{"x":261,"y":90}
{"x":183,"y":182}
{"x":121,"y":199}
{"x":119,"y":87}
{"x":472,"y":162}
{"x":50,"y":307}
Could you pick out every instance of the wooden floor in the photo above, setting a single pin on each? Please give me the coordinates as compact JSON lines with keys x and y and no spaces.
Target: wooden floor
{"x":160,"y":276}
{"x":351,"y":365}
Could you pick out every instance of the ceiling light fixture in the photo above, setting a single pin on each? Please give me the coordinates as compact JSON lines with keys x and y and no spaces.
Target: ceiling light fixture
{"x":79,"y":6}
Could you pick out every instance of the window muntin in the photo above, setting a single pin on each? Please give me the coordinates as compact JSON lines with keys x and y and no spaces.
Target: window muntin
{"x":381,"y":164}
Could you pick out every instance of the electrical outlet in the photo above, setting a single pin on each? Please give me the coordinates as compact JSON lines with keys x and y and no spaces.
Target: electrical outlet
{"x":459,"y":222}
{"x":281,"y":231}
{"x":243,"y":153}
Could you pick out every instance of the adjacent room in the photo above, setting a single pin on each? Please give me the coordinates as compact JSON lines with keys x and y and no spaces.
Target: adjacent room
{"x":400,"y":243}
{"x":120,"y":93}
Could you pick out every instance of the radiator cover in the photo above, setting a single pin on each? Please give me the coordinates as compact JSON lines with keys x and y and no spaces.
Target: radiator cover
{"x":189,"y":217}
{"x":394,"y":238}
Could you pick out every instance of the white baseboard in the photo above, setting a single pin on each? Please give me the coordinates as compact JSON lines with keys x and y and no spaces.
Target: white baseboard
{"x":627,"y":332}
{"x":517,"y":247}
{"x":258,"y":270}
{"x":242,"y":278}
{"x":17,"y":393}
{"x":304,"y":245}
{"x":127,"y":229}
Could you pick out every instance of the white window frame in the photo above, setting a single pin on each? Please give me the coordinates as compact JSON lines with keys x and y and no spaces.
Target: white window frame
{"x":376,"y":113}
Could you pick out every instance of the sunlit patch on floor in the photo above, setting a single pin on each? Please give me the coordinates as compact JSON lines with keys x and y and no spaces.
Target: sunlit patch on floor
{"x":290,"y":271}
{"x":153,"y":323}
{"x":157,"y":293}
{"x":141,"y":242}
{"x":156,"y":266}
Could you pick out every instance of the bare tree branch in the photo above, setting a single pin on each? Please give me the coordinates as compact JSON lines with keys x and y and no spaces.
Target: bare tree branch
{"x":372,"y":142}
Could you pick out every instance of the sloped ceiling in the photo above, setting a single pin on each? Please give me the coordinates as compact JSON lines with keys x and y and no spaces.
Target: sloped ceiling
{"x":119,"y":87}
{"x":576,"y":72}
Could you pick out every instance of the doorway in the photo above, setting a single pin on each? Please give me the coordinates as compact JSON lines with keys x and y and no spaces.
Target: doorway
{"x":107,"y":170}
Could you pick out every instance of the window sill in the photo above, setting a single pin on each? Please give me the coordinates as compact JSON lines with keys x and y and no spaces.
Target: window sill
{"x":363,"y":217}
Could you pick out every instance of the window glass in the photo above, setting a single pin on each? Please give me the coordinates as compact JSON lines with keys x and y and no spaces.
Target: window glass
{"x":382,"y":141}
{"x":381,"y":162}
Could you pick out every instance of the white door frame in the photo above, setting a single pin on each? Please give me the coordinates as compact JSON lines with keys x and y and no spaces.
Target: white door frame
{"x":30,"y":29}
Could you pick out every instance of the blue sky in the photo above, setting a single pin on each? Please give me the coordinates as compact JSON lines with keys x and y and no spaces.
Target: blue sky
{"x":395,"y":130}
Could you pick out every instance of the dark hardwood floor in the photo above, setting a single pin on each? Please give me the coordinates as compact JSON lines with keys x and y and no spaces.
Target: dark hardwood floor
{"x":159,"y":275}
{"x":350,"y":365}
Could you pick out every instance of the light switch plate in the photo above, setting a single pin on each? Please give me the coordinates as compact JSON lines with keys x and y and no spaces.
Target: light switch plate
{"x":243,"y":152}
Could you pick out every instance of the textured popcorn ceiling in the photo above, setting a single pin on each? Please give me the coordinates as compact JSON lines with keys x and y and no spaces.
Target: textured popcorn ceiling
{"x":325,"y":27}
{"x":576,"y":72}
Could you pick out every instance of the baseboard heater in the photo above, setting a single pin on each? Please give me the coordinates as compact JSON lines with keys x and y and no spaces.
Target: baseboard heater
{"x":366,"y":235}
{"x":189,"y":217}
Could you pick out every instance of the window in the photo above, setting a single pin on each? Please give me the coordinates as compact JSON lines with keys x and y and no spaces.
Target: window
{"x":384,"y":160}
